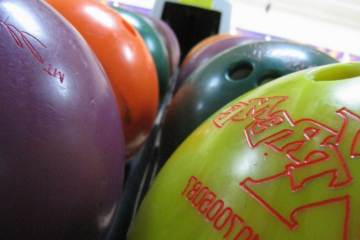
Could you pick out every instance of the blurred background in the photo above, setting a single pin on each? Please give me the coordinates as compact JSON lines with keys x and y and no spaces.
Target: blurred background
{"x":331,"y":25}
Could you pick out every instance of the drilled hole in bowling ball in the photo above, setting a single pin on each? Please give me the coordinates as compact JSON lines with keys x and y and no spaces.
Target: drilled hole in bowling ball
{"x":240,"y":71}
{"x":129,"y":27}
{"x":268,"y":78}
{"x":337,"y":72}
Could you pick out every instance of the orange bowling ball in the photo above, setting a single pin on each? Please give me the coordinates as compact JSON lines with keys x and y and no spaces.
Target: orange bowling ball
{"x":204,"y":43}
{"x":126,"y":60}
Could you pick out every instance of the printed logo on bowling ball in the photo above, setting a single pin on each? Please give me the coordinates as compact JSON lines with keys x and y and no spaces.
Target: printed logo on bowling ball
{"x":227,"y":76}
{"x":29,"y":42}
{"x":280,"y":162}
{"x":274,"y":128}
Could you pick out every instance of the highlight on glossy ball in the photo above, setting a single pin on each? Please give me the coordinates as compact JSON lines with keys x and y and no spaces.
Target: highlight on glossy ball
{"x":126,"y":60}
{"x":280,"y":162}
{"x":227,"y":76}
{"x":61,"y":141}
{"x":155,"y":45}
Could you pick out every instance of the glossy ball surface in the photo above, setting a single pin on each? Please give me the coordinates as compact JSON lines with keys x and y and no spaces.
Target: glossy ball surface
{"x":126,"y":60}
{"x":154,"y":43}
{"x":170,"y":39}
{"x":61,"y":142}
{"x":228,"y":76}
{"x":203,"y":44}
{"x":280,"y":162}
{"x":205,"y":54}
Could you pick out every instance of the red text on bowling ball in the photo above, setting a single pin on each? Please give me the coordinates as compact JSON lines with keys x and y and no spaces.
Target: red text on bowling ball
{"x":25,"y":40}
{"x":213,"y":209}
{"x":313,"y":151}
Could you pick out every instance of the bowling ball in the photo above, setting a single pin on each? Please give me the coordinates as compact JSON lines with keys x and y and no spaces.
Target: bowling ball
{"x":154,"y":44}
{"x":226,"y":77}
{"x":280,"y":162}
{"x":204,"y":55}
{"x":61,"y":141}
{"x":153,"y":23}
{"x":204,"y":43}
{"x":126,"y":60}
{"x":170,"y":39}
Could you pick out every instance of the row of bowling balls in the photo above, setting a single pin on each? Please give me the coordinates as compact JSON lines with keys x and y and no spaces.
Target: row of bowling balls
{"x":62,"y":151}
{"x":80,"y":89}
{"x":266,"y":145}
{"x":139,"y":54}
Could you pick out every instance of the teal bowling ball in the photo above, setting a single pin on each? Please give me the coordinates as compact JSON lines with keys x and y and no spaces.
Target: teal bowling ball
{"x":170,"y":39}
{"x":227,"y":76}
{"x":154,"y":43}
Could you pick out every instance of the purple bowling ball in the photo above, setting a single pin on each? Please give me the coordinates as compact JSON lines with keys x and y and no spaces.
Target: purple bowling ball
{"x":170,"y":39}
{"x":61,"y":142}
{"x":208,"y":52}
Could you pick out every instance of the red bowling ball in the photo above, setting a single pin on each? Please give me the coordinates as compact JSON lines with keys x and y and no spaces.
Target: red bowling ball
{"x":61,"y":141}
